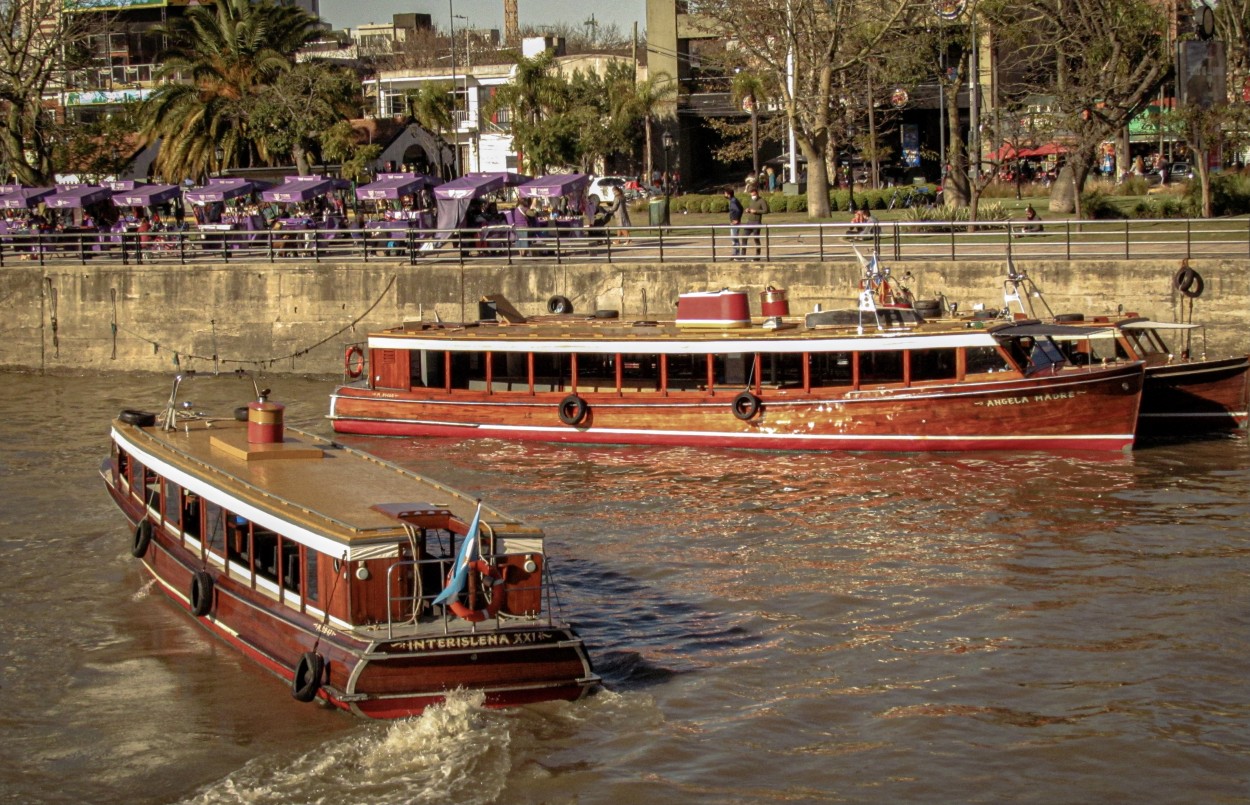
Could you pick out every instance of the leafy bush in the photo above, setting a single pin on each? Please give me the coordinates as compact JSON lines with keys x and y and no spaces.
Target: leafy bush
{"x":1159,"y":207}
{"x":796,"y":203}
{"x":1132,"y":186}
{"x":1230,"y":195}
{"x":1097,"y":206}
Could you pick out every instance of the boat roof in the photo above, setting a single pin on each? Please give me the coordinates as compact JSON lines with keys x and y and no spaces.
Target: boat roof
{"x":568,"y":333}
{"x":331,"y":497}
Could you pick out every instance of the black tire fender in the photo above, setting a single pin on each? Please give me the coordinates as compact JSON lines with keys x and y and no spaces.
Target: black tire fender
{"x":143,"y":538}
{"x":1070,"y":317}
{"x":201,"y":593}
{"x":560,"y":305}
{"x":306,"y":680}
{"x":1189,"y":282}
{"x":141,"y":419}
{"x":746,"y":405}
{"x":573,"y":410}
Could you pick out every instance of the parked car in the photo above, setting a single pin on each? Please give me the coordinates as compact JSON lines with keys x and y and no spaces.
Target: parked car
{"x":603,"y":189}
{"x":1172,"y":172}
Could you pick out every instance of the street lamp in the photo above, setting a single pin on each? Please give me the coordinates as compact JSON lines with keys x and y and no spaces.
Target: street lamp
{"x":666,"y":139}
{"x":220,"y":155}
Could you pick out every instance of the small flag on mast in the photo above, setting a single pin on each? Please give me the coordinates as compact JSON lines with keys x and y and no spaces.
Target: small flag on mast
{"x":468,"y":555}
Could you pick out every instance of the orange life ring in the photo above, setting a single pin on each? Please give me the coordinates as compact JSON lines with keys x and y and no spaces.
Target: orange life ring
{"x":488,"y":571}
{"x":354,"y":361}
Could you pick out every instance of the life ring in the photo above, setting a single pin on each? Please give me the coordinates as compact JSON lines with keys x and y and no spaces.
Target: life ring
{"x":143,"y":538}
{"x":307,"y":678}
{"x":1188,"y":282}
{"x":141,"y":419}
{"x":354,"y":361}
{"x":746,"y":405}
{"x":493,"y":602}
{"x":573,"y":409}
{"x":559,"y":304}
{"x":201,"y":593}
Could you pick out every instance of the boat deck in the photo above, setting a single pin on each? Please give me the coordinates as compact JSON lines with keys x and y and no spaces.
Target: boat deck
{"x":304,"y":479}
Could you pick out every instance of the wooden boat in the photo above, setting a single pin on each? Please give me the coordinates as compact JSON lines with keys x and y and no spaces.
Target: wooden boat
{"x":877,"y":378}
{"x":1185,"y":392}
{"x":326,"y":565}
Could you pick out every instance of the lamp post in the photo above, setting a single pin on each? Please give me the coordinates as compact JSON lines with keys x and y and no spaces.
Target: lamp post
{"x":220,"y":156}
{"x":455,"y":118}
{"x":666,"y":139}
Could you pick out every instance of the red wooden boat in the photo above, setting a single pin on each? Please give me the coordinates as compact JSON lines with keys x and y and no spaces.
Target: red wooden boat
{"x":874,"y":379}
{"x":1185,"y":392}
{"x":338,"y":571}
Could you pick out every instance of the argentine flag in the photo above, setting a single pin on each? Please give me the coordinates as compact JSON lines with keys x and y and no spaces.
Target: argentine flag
{"x":467,"y":556}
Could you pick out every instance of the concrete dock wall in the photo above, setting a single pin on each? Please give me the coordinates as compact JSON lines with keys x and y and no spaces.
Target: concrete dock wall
{"x":288,"y":318}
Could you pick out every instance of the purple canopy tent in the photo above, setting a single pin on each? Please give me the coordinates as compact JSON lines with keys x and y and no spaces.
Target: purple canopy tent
{"x":303,"y":188}
{"x":121,"y":185}
{"x":223,"y":189}
{"x":509,"y":179}
{"x":453,"y":198}
{"x":147,"y":195}
{"x":77,"y":196}
{"x":24,"y":197}
{"x":568,"y":184}
{"x":394,"y":186}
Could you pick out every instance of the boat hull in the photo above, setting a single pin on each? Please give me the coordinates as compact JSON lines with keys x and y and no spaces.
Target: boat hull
{"x":1092,"y":409}
{"x":371,"y":675}
{"x":1195,"y":397}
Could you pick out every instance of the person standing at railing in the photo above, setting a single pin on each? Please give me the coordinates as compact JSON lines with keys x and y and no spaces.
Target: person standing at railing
{"x":753,"y":217}
{"x":735,"y":222}
{"x":620,"y":213}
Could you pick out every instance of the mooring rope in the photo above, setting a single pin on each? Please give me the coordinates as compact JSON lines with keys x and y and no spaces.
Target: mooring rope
{"x":178,"y":354}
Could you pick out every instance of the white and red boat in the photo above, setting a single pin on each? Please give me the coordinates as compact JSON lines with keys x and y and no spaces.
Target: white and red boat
{"x":878,"y":378}
{"x":1185,"y":392}
{"x":363,"y":585}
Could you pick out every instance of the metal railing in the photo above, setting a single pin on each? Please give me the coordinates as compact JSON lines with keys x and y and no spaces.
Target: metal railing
{"x":796,"y":243}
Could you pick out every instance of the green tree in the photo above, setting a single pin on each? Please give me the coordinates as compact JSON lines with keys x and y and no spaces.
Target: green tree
{"x":651,"y":98}
{"x":290,"y":116}
{"x":41,"y":43}
{"x":225,"y":54}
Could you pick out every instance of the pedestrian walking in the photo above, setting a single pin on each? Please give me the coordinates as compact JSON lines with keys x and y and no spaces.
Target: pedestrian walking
{"x":620,"y":212}
{"x":735,"y":223}
{"x":753,"y":217}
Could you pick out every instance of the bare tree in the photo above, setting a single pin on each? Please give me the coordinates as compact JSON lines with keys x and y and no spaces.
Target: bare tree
{"x":1101,"y":61}
{"x":804,"y":47}
{"x":40,"y":44}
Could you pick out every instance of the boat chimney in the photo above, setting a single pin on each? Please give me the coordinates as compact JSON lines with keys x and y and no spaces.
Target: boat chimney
{"x":774,"y":302}
{"x":264,"y":421}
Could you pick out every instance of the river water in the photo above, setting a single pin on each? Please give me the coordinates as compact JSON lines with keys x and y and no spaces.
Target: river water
{"x":771,"y":628}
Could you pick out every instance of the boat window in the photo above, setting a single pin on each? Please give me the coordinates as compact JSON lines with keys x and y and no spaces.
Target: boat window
{"x":265,"y":553}
{"x":311,"y":593}
{"x":509,"y":371}
{"x":428,"y":371}
{"x":238,"y":540}
{"x":985,"y":359}
{"x":1145,"y":345}
{"x":289,"y":552}
{"x":832,"y":368}
{"x":881,"y":366}
{"x":191,"y":514}
{"x":596,"y":371}
{"x":735,"y":370}
{"x":552,"y":371}
{"x":687,"y":372}
{"x":932,"y":364}
{"x":640,"y":372}
{"x":123,"y":464}
{"x":1044,"y":355}
{"x":782,"y":370}
{"x":468,"y":370}
{"x":215,"y":530}
{"x":173,"y":504}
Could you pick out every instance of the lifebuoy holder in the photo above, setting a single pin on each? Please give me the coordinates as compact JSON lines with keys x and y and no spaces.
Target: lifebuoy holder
{"x":354,"y":361}
{"x":573,"y":410}
{"x":746,"y":405}
{"x":493,"y":602}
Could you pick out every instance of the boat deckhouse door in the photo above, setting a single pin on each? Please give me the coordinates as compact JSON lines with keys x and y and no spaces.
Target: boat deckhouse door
{"x":389,"y":368}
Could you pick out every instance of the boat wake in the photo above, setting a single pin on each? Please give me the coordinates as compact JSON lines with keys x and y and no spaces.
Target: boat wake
{"x":144,"y":591}
{"x":457,"y":751}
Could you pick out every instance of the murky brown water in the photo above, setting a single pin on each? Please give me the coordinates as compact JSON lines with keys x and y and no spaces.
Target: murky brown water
{"x":772,"y":627}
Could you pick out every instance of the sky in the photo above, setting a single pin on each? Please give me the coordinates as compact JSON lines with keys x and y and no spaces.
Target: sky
{"x":489,"y":13}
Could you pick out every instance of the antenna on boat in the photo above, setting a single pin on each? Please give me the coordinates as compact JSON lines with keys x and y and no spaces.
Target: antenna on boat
{"x":171,"y":407}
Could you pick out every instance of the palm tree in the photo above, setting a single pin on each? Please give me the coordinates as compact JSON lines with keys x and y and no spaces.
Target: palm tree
{"x":747,"y":90}
{"x":650,"y":96}
{"x":218,"y":58}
